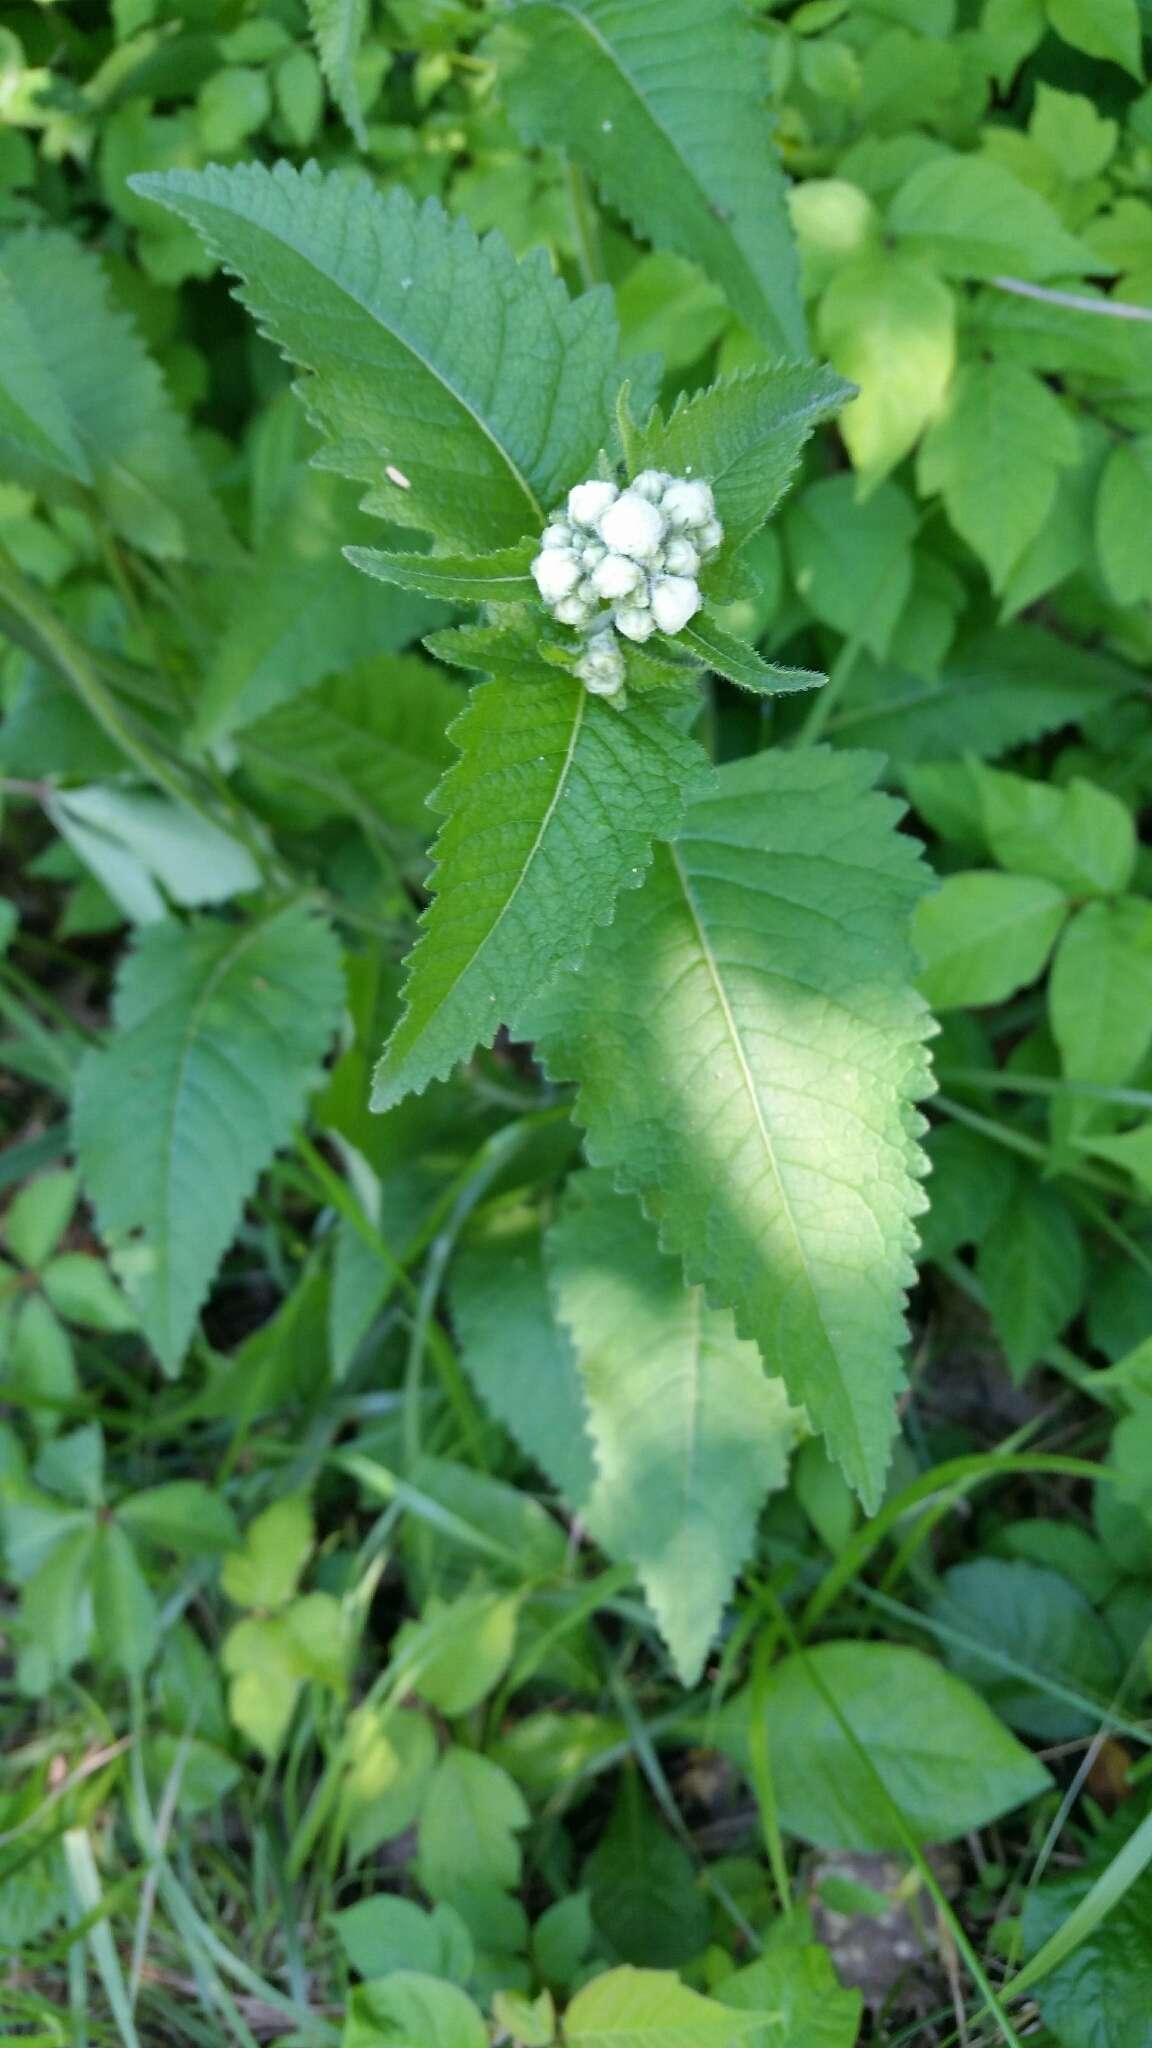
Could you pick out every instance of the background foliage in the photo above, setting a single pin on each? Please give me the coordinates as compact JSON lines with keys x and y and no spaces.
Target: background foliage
{"x":383,"y":1663}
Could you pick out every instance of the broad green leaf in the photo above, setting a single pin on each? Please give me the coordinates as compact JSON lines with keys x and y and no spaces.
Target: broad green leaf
{"x":467,"y":389}
{"x":971,"y":218}
{"x":469,"y":1647}
{"x":263,"y":1680}
{"x":1035,"y":1618}
{"x":795,"y":1989}
{"x":646,"y":1903}
{"x":240,"y":1016}
{"x":690,"y":1439}
{"x":40,"y":1361}
{"x":740,"y":663}
{"x":390,"y":1760}
{"x":123,"y":1608}
{"x":888,"y":323}
{"x":191,"y":859}
{"x":56,"y":1611}
{"x":34,"y":419}
{"x":1103,"y":28}
{"x":995,"y":456}
{"x":940,"y":1756}
{"x":651,"y":2009}
{"x":502,"y":578}
{"x":184,"y":1515}
{"x":383,"y":1934}
{"x":520,"y":1361}
{"x":1130,"y":1149}
{"x":852,"y":562}
{"x":472,"y":1815}
{"x":277,"y":1545}
{"x":1100,"y":993}
{"x":550,"y":810}
{"x":408,"y":2010}
{"x":133,"y":442}
{"x":982,"y":936}
{"x":338,"y":26}
{"x":38,"y":1216}
{"x":1033,"y":1276}
{"x":1123,"y":520}
{"x":82,"y":1290}
{"x":369,"y":744}
{"x":748,"y":1048}
{"x":1097,"y":1995}
{"x":744,"y":434}
{"x":1077,"y":835}
{"x":684,"y":151}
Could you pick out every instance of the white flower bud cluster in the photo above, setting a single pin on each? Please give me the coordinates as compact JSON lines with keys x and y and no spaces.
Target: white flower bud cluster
{"x":626,"y":561}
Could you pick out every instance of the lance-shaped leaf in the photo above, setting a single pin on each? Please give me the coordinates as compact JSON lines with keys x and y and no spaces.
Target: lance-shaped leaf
{"x":500,"y":578}
{"x":741,"y":664}
{"x":744,"y":435}
{"x":467,"y":389}
{"x":748,"y":1047}
{"x":689,"y":1432}
{"x":551,"y":809}
{"x":668,"y":108}
{"x":218,"y":1036}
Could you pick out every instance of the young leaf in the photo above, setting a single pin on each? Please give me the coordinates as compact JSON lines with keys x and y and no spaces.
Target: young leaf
{"x":740,"y":663}
{"x":467,"y":389}
{"x":1123,"y":520}
{"x":972,"y":218}
{"x":995,"y":456}
{"x":682,"y":148}
{"x":1103,"y":28}
{"x":690,"y":1440}
{"x":406,"y":2008}
{"x":1033,"y":1276}
{"x":338,"y":26}
{"x":1100,"y":993}
{"x":219,"y":1032}
{"x":550,"y":810}
{"x":472,"y":1815}
{"x":502,"y":578}
{"x":110,"y":415}
{"x":1079,"y":836}
{"x":651,"y":2009}
{"x":983,"y":936}
{"x":851,"y":562}
{"x":746,"y":1022}
{"x":889,"y":323}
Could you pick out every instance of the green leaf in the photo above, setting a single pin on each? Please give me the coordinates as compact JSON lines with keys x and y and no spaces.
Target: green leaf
{"x":795,"y":1989}
{"x":502,"y":578}
{"x":56,"y":1611}
{"x":277,"y":1545}
{"x":1035,"y":1618}
{"x":134,"y":444}
{"x":1076,"y":835}
{"x":651,"y":2009}
{"x":464,"y":387}
{"x":646,"y":1903}
{"x":1033,"y":1276}
{"x":391,"y":1758}
{"x":34,"y":420}
{"x":1097,"y":1994}
{"x":520,"y":1361}
{"x":983,"y":936}
{"x":1100,"y":993}
{"x":1123,"y":519}
{"x":472,"y":1815}
{"x":740,"y":663}
{"x":852,"y":563}
{"x":183,"y":1515}
{"x":1130,"y":1149}
{"x":690,"y":1440}
{"x":971,"y":218}
{"x":744,"y":435}
{"x":117,"y":830}
{"x":124,"y":1611}
{"x":338,"y":27}
{"x":888,"y":323}
{"x":469,"y":1647}
{"x":1103,"y":28}
{"x":82,"y":1290}
{"x":684,"y":151}
{"x":995,"y":456}
{"x":240,"y":1015}
{"x":747,"y":1048}
{"x":551,"y":810}
{"x":38,"y":1216}
{"x":384,"y":1934}
{"x":938,"y":1752}
{"x":370,"y":744}
{"x":407,"y":2010}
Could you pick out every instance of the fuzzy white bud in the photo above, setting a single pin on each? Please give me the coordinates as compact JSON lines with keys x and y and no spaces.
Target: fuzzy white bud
{"x":651,"y":484}
{"x":588,"y":502}
{"x":593,"y":554}
{"x":601,"y":669}
{"x":558,"y":534}
{"x":616,"y":576}
{"x":634,"y":623}
{"x":573,"y":611}
{"x":675,"y":600}
{"x":632,"y":526}
{"x":709,"y":537}
{"x":688,"y":502}
{"x":680,"y":557}
{"x":556,"y":572}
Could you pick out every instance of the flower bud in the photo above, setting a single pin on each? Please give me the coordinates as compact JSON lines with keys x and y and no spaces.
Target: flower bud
{"x":680,"y":557}
{"x":557,"y":572}
{"x":675,"y":600}
{"x":688,"y":502}
{"x":601,"y":668}
{"x":587,"y":502}
{"x":616,"y":576}
{"x":633,"y":623}
{"x":709,"y":538}
{"x":632,"y":526}
{"x":558,"y":534}
{"x":592,"y":554}
{"x":573,"y":611}
{"x":651,"y":484}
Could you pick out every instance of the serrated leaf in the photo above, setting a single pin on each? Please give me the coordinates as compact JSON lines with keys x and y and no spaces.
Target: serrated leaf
{"x":500,"y":578}
{"x":551,"y":810}
{"x":743,"y":435}
{"x":748,"y":1047}
{"x":34,"y":419}
{"x":683,"y":149}
{"x":689,"y":1439}
{"x":995,"y":456}
{"x":1096,"y":1996}
{"x":235,"y":1017}
{"x":131,"y":440}
{"x":465,"y":388}
{"x":630,"y":2008}
{"x":338,"y":27}
{"x":741,"y":664}
{"x":972,"y":218}
{"x":888,"y":323}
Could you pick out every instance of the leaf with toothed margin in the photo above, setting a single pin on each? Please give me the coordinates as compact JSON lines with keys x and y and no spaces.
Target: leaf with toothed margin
{"x":549,"y":812}
{"x":748,"y":1048}
{"x":690,"y":1438}
{"x":740,"y":663}
{"x":467,"y":389}
{"x":500,"y":578}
